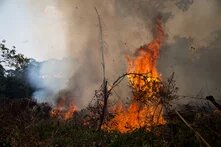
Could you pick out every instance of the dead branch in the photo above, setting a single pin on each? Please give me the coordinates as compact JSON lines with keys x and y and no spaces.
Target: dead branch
{"x":189,"y":126}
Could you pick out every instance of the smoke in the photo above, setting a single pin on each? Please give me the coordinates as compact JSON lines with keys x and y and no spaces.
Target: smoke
{"x":128,"y":24}
{"x":189,"y":50}
{"x":83,"y":34}
{"x":50,"y":77}
{"x":199,"y":22}
{"x":196,"y":71}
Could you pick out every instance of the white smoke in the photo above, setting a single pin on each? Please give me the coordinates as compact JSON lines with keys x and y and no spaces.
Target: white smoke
{"x":49,"y":77}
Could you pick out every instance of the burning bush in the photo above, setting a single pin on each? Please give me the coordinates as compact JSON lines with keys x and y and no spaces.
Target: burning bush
{"x":64,"y":107}
{"x":145,"y":108}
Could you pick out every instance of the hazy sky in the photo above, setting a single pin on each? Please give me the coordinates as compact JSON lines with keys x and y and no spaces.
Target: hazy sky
{"x":36,"y":28}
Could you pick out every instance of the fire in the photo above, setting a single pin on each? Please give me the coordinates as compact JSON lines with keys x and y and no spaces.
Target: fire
{"x":64,"y":109}
{"x":136,"y":116}
{"x":145,"y":109}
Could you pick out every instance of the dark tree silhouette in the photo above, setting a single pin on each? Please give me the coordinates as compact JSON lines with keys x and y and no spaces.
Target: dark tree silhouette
{"x":13,"y":73}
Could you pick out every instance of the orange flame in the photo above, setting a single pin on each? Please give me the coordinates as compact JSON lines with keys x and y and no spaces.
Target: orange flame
{"x":146,"y":56}
{"x":63,"y":110}
{"x":138,"y":114}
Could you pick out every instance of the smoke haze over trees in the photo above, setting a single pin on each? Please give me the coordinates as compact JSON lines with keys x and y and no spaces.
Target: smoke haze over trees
{"x":191,"y":44}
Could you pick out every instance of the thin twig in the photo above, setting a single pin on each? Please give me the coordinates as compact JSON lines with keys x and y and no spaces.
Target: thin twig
{"x":101,"y":42}
{"x":104,"y":85}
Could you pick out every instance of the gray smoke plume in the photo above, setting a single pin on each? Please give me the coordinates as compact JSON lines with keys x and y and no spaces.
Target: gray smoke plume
{"x":191,"y":47}
{"x":128,"y":24}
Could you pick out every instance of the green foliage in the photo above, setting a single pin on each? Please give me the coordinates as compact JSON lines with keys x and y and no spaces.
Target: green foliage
{"x":10,"y":58}
{"x":13,"y":73}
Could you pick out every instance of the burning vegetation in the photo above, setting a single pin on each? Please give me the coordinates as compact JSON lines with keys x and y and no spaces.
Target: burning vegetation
{"x":145,"y":108}
{"x":148,"y":112}
{"x":64,"y":108}
{"x":152,"y":115}
{"x":145,"y":118}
